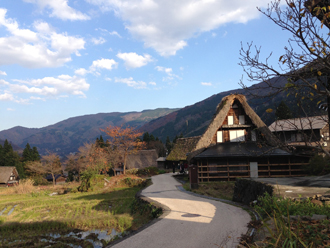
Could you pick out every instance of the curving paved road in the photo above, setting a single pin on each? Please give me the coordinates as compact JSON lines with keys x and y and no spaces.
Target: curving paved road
{"x":192,"y":221}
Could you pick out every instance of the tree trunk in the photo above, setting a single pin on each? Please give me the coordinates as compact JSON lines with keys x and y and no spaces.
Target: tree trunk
{"x":125,"y":160}
{"x":53,"y":180}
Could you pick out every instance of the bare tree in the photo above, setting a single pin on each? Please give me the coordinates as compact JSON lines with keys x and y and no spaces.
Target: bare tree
{"x":305,"y":63}
{"x":49,"y":164}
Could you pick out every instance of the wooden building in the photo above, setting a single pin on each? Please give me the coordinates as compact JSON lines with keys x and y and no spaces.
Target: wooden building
{"x":312,"y":131}
{"x":181,"y":148}
{"x":237,"y":143}
{"x":138,"y":160}
{"x":8,"y":176}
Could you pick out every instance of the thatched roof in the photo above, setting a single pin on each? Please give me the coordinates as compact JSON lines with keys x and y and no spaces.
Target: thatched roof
{"x":219,"y":117}
{"x":142,"y":159}
{"x":181,"y":148}
{"x":5,"y":173}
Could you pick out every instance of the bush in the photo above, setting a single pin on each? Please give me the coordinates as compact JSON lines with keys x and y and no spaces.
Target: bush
{"x":85,"y":179}
{"x":270,"y":204}
{"x":24,"y":186}
{"x":39,"y":180}
{"x":318,"y":165}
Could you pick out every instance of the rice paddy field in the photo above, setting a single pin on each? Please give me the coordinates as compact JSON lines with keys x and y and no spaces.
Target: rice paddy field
{"x":60,"y":217}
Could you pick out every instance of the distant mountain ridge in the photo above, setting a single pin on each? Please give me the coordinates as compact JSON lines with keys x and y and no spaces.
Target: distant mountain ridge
{"x":194,"y":119}
{"x":68,"y":135}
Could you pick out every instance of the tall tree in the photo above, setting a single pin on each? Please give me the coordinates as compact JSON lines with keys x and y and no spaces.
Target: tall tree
{"x":305,"y":63}
{"x":49,"y":164}
{"x":124,"y":140}
{"x":283,"y":112}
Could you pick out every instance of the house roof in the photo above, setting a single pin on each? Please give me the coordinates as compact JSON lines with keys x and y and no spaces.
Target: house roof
{"x":5,"y":173}
{"x":219,"y":117}
{"x":161,"y":159}
{"x":244,"y":149}
{"x":306,"y":123}
{"x":142,"y":159}
{"x":182,"y":147}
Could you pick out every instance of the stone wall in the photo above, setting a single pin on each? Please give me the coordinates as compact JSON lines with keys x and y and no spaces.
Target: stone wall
{"x":247,"y":191}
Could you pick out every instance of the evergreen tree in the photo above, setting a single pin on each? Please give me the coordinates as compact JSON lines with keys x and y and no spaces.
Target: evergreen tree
{"x":152,"y":138}
{"x":146,"y":137}
{"x":283,"y":111}
{"x":35,"y":154}
{"x":27,"y":153}
{"x":101,"y":142}
{"x":168,"y":145}
{"x":1,"y":156}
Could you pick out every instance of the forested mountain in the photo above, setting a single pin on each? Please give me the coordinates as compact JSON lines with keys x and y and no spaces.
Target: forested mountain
{"x":68,"y":135}
{"x":193,"y":120}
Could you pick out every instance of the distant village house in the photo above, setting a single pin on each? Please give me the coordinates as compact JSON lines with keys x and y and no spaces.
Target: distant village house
{"x":8,"y":176}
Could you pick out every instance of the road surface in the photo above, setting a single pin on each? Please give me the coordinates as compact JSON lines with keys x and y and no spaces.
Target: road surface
{"x":191,"y":222}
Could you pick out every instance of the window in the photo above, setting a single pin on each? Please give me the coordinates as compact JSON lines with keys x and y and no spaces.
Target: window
{"x":299,"y":137}
{"x":230,"y":120}
{"x":219,"y":137}
{"x":253,"y":135}
{"x":236,"y":135}
{"x":293,"y":137}
{"x":241,"y":119}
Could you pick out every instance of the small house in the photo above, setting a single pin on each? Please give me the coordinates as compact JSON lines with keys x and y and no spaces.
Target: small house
{"x":237,"y":143}
{"x":310,"y":131}
{"x":8,"y":176}
{"x":59,"y":179}
{"x":180,"y":150}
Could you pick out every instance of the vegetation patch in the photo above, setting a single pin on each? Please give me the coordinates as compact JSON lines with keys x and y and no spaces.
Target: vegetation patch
{"x":60,"y":211}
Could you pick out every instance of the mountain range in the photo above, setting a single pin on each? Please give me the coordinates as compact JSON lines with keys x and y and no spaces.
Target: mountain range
{"x":67,"y":136}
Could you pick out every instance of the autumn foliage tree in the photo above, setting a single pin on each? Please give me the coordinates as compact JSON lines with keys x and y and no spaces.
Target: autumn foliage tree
{"x":123,"y":141}
{"x":49,"y":164}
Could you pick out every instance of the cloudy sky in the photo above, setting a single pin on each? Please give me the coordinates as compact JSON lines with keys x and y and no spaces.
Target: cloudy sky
{"x":65,"y":58}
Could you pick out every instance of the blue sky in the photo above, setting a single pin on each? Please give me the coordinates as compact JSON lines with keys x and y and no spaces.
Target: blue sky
{"x":63,"y":58}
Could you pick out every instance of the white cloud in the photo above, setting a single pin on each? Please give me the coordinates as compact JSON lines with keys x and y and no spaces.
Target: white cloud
{"x":37,"y":98}
{"x":3,"y":82}
{"x":10,"y":109}
{"x":51,"y":86}
{"x":131,"y":83}
{"x":133,"y":60}
{"x":108,"y":64}
{"x":115,"y":33}
{"x":104,"y":31}
{"x":3,"y":73}
{"x":43,"y":48}
{"x":206,"y":84}
{"x":6,"y":97}
{"x":81,"y":71}
{"x":152,"y":83}
{"x":167,"y":25}
{"x":60,"y":9}
{"x":214,"y":34}
{"x":163,"y":69}
{"x":98,"y":41}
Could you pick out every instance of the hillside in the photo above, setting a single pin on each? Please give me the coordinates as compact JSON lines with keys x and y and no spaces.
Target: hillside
{"x":68,"y":135}
{"x":193,"y":120}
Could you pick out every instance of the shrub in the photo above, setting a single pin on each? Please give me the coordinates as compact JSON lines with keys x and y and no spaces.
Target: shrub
{"x":39,"y":180}
{"x":24,"y":186}
{"x":318,"y":165}
{"x":85,"y":179}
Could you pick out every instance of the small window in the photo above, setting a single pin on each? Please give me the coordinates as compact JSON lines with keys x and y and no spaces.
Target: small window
{"x":219,"y":137}
{"x":241,"y":119}
{"x":253,"y":135}
{"x":293,"y":137}
{"x":299,"y":137}
{"x":230,"y":120}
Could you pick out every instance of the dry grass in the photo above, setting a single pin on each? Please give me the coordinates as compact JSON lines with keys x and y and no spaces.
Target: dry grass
{"x":25,"y":186}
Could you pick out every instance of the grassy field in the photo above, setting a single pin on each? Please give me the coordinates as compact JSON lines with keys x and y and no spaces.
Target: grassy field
{"x":26,"y":218}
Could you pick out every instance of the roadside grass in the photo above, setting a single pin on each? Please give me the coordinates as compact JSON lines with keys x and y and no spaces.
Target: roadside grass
{"x":38,"y":213}
{"x":279,"y":229}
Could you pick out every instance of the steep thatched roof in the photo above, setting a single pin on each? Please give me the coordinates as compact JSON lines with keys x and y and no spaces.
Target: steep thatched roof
{"x":218,"y":119}
{"x":142,"y":159}
{"x":5,"y":173}
{"x":182,"y":147}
